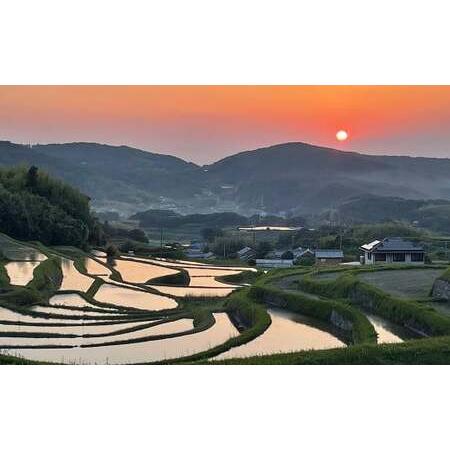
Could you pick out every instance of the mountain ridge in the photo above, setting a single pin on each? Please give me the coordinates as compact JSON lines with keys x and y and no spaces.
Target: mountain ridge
{"x":289,"y":177}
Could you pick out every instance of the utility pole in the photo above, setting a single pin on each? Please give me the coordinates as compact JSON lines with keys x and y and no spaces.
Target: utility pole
{"x":161,"y":242}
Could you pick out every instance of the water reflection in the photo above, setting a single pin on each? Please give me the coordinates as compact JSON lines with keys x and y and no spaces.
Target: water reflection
{"x":131,"y":298}
{"x":141,"y":352}
{"x":136,"y":272}
{"x":72,"y":279}
{"x":20,"y":273}
{"x":178,"y":326}
{"x":288,"y":332}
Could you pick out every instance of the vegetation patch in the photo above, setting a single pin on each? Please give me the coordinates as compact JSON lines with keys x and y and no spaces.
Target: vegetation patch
{"x":418,"y":351}
{"x":412,"y":315}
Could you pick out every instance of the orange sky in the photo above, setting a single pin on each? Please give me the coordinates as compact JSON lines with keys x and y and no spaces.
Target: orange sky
{"x":205,"y":123}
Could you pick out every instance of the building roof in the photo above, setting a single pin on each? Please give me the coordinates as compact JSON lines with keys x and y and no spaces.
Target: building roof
{"x":392,"y":244}
{"x":244,"y":250}
{"x":329,"y":254}
{"x":370,"y":246}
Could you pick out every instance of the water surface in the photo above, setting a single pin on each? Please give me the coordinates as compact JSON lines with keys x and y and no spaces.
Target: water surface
{"x":288,"y":332}
{"x":72,"y":279}
{"x":141,"y":352}
{"x":20,"y":273}
{"x":137,"y":272}
{"x":131,"y":298}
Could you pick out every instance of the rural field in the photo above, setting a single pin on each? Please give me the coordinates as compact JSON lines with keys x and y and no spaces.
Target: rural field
{"x":63,"y":305}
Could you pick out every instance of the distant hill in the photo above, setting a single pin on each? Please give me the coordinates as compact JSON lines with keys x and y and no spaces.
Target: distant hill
{"x":295,"y":177}
{"x":432,"y":214}
{"x":111,"y":176}
{"x":304,"y":177}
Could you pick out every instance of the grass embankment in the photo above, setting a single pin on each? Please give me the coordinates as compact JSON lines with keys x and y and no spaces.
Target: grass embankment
{"x":47,"y":278}
{"x":339,"y":314}
{"x":445,"y":276}
{"x":4,"y":278}
{"x":413,"y":315}
{"x":251,"y":318}
{"x":418,"y":351}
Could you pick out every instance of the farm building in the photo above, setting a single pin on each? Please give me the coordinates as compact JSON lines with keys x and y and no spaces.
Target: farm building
{"x":329,"y":256}
{"x":274,"y":263}
{"x":246,"y":253}
{"x":392,"y":250}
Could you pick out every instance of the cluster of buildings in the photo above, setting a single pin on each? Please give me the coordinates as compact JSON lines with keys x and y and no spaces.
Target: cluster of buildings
{"x":385,"y":251}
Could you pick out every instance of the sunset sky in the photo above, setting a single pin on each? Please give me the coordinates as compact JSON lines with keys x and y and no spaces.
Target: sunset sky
{"x":205,"y":123}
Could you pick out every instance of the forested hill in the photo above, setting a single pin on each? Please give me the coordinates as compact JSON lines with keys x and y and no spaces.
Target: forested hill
{"x":305,"y":177}
{"x":294,"y":177}
{"x":110,"y":175}
{"x":34,"y":206}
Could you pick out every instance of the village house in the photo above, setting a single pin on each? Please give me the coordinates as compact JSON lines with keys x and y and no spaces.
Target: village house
{"x":392,"y":250}
{"x":329,"y":257}
{"x":246,"y":253}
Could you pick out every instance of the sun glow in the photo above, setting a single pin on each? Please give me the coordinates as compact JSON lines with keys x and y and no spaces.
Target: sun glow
{"x":341,"y":135}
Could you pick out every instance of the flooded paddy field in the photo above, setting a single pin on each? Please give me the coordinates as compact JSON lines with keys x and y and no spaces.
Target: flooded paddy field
{"x":288,"y":332}
{"x":131,"y":298}
{"x":178,"y":326}
{"x":20,"y":273}
{"x":149,"y":351}
{"x":72,"y":279}
{"x":139,"y":272}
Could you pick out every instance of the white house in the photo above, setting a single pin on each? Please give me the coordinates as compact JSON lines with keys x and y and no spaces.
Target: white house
{"x":392,"y":250}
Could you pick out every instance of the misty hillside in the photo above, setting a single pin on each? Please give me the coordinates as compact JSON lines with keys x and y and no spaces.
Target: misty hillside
{"x":302,"y":176}
{"x":294,"y":177}
{"x":111,"y":176}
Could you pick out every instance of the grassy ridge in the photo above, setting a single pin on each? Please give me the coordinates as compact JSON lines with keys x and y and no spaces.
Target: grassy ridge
{"x":446,"y":275}
{"x":339,"y":314}
{"x":47,"y":276}
{"x":418,"y":351}
{"x":4,"y":279}
{"x":410,"y":314}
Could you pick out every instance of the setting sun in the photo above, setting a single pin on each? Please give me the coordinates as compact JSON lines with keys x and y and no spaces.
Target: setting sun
{"x":341,"y":135}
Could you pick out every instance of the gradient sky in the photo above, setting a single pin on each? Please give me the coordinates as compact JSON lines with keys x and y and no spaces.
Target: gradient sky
{"x":205,"y":123}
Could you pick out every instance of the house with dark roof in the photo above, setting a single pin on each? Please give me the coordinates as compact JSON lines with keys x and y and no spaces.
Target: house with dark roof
{"x":329,"y":256}
{"x":392,"y":250}
{"x":246,"y":253}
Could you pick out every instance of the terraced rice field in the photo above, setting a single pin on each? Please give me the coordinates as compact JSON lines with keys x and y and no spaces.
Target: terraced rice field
{"x":141,"y":352}
{"x":289,"y":332}
{"x":20,"y":273}
{"x":412,"y":284}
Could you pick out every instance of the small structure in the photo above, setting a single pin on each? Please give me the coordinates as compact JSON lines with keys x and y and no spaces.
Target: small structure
{"x":274,"y":263}
{"x":246,"y":253}
{"x":329,"y":257}
{"x":392,"y":250}
{"x":300,"y":253}
{"x":196,"y":251}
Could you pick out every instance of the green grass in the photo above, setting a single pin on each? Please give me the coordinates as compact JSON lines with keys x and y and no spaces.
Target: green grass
{"x":410,"y":314}
{"x":423,"y":351}
{"x":409,"y":284}
{"x":446,"y":275}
